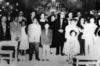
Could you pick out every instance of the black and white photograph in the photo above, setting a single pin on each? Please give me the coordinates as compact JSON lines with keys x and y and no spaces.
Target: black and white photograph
{"x":49,"y":32}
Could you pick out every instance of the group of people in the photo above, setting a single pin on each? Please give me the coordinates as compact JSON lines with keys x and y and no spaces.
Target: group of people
{"x":70,"y":35}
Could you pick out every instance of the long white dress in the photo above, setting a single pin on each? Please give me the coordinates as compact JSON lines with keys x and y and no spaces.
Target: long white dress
{"x":24,"y":44}
{"x":96,"y":47}
{"x":89,"y":36}
{"x":71,"y":46}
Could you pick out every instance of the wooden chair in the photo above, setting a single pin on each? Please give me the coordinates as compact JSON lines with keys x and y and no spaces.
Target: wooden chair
{"x":87,"y":60}
{"x":9,"y":52}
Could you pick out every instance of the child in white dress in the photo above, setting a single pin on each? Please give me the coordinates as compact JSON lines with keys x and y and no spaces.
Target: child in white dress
{"x":24,"y":45}
{"x":71,"y":47}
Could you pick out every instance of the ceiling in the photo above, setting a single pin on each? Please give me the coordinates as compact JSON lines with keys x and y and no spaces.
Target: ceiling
{"x":87,"y":4}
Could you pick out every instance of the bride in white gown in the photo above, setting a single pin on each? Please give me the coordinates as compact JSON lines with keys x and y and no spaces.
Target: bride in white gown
{"x":96,"y":48}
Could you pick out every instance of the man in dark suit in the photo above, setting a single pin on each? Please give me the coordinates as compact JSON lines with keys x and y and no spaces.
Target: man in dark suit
{"x":60,"y":28}
{"x":4,"y":29}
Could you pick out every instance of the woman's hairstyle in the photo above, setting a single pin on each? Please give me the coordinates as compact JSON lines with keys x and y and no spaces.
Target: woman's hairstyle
{"x":98,"y":21}
{"x":93,"y":18}
{"x":69,"y":13}
{"x":82,"y":18}
{"x":23,"y":21}
{"x":79,"y":22}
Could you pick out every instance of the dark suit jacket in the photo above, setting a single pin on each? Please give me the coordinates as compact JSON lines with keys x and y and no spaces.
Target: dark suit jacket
{"x":63,"y":24}
{"x":6,"y":36}
{"x":60,"y":36}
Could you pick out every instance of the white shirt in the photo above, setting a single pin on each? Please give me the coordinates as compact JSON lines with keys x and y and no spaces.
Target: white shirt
{"x":34,"y":32}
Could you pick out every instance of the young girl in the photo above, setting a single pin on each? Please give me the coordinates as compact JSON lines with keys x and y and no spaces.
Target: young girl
{"x":23,"y":40}
{"x":71,"y":47}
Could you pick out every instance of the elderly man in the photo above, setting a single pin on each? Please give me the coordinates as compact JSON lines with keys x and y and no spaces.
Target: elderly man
{"x":61,"y":23}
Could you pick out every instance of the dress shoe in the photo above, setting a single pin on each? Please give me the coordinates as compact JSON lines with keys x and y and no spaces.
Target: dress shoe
{"x":47,"y":60}
{"x":57,"y":53}
{"x":43,"y":59}
{"x":37,"y":59}
{"x":62,"y":54}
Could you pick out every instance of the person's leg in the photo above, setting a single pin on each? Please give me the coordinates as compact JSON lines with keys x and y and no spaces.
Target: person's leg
{"x":25,"y":52}
{"x":57,"y":50}
{"x":48,"y":52}
{"x":82,"y":48}
{"x":86,"y":47}
{"x":43,"y":53}
{"x":62,"y":45}
{"x":31,"y":49}
{"x":58,"y":45}
{"x":37,"y":51}
{"x":91,"y":45}
{"x":69,"y":59}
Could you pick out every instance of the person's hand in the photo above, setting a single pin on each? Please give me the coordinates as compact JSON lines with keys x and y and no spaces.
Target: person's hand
{"x":17,"y":38}
{"x":60,"y":30}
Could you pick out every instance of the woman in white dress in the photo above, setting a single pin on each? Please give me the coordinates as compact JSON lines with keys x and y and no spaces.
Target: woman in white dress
{"x":89,"y":36}
{"x":96,"y":48}
{"x":24,"y":45}
{"x":71,"y":46}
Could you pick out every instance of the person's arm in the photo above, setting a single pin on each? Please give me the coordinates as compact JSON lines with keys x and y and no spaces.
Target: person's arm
{"x":96,"y":30}
{"x":11,"y":32}
{"x":40,"y":30}
{"x":42,"y":38}
{"x":51,"y":35}
{"x":66,"y":33}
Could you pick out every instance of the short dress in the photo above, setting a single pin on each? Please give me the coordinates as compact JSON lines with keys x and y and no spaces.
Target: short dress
{"x":24,"y":44}
{"x":71,"y":46}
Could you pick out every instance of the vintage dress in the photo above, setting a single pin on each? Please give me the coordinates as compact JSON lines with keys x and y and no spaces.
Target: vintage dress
{"x":96,"y":46}
{"x":24,"y":44}
{"x":89,"y":36}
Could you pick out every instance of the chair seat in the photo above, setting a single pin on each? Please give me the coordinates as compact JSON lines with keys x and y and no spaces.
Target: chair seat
{"x":87,"y":60}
